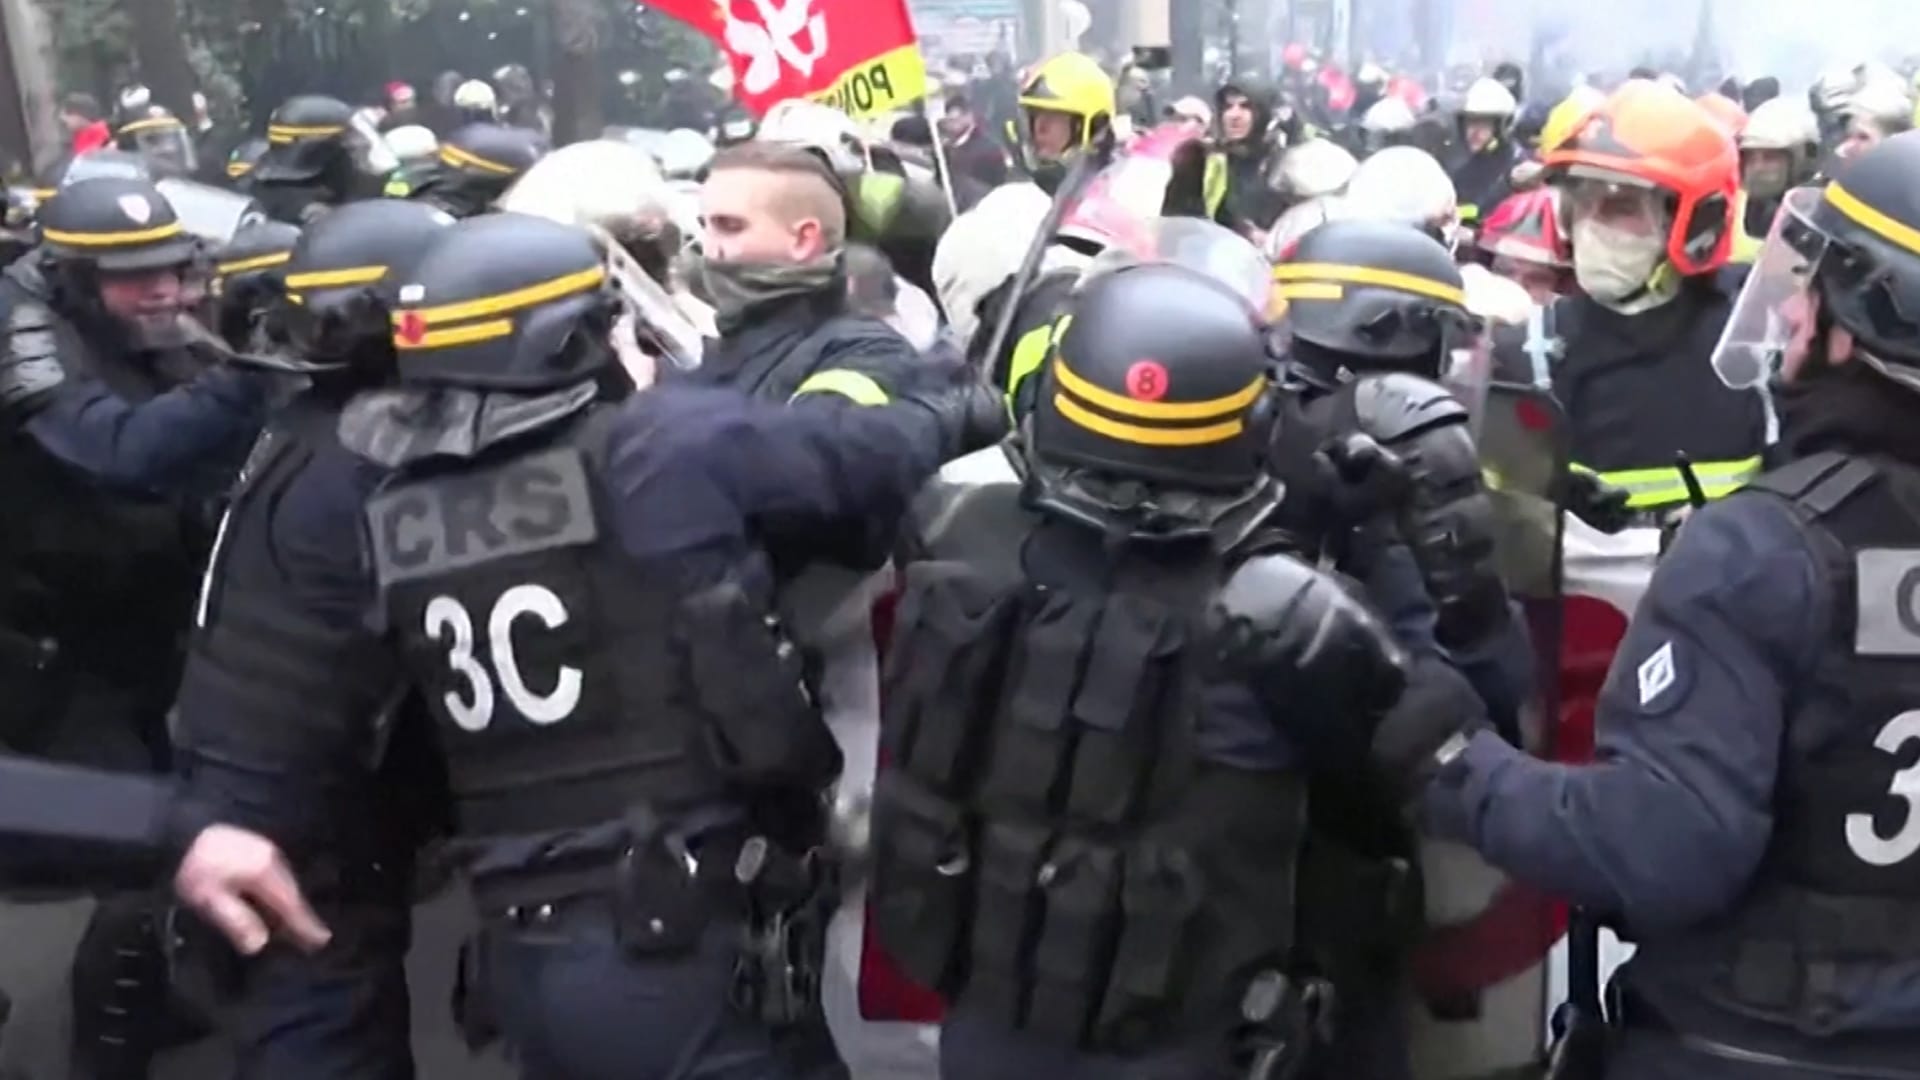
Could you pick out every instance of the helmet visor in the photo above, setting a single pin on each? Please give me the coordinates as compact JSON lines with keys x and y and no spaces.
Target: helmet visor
{"x":1750,"y":348}
{"x":1629,"y":208}
{"x":1467,"y":369}
{"x":167,"y":148}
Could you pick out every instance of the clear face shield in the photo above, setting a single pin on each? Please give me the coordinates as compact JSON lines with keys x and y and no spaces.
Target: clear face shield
{"x":1763,"y":321}
{"x":165,"y":145}
{"x":1203,"y":246}
{"x":1467,"y":366}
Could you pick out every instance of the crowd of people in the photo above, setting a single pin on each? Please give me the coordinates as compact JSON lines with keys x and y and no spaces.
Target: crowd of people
{"x":1018,"y":596}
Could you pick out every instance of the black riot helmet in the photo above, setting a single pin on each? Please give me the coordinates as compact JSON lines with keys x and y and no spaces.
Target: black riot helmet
{"x":245,"y":157}
{"x":1862,"y":242}
{"x":477,"y":164}
{"x":158,"y":137}
{"x":339,"y":282}
{"x":1159,"y":380}
{"x":73,"y":168}
{"x":506,"y":302}
{"x":308,"y":141}
{"x":1371,"y":296}
{"x":112,"y":225}
{"x":247,"y":277}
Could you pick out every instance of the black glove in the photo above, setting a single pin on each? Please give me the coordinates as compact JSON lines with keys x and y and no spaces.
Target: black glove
{"x":1438,"y":709}
{"x":1367,"y":479}
{"x":1599,"y":503}
{"x":970,"y":416}
{"x":1315,"y":654}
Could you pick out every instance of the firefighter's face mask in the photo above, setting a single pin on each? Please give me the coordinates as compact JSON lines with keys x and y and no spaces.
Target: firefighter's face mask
{"x":1619,"y":238}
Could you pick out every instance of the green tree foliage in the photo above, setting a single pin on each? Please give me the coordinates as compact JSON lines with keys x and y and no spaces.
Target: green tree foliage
{"x":235,"y":45}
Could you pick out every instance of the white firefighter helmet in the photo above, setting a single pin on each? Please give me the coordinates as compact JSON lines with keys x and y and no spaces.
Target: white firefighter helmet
{"x":1405,"y":184}
{"x":590,"y":183}
{"x":476,"y":95}
{"x":413,"y":143}
{"x":1780,"y":123}
{"x":1388,"y":116}
{"x":684,"y":153}
{"x":1883,"y":98}
{"x":1832,"y":89}
{"x":1316,"y":167}
{"x":1489,"y":97}
{"x":1301,"y":219}
{"x":1496,"y":299}
{"x":800,"y":122}
{"x":984,"y":247}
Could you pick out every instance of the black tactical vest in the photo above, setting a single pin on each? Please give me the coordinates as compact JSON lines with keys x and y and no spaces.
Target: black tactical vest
{"x":1837,"y":897}
{"x":106,"y":575}
{"x":570,"y":683}
{"x":1049,"y":847}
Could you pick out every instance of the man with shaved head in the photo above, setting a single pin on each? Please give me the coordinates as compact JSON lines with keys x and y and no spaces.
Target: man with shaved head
{"x":774,"y":265}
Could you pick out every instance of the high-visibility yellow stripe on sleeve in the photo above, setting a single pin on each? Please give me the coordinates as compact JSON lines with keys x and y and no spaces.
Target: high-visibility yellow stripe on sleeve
{"x":852,"y":385}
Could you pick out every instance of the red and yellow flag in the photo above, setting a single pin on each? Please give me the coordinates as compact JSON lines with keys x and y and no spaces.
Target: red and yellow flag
{"x":860,"y":56}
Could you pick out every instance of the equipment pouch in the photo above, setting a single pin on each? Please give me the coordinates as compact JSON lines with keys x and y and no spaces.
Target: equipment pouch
{"x":923,"y":879}
{"x":472,"y":999}
{"x":777,"y":978}
{"x":1006,"y":914}
{"x":1160,"y":900}
{"x":749,"y":683}
{"x":943,"y":672}
{"x":1132,"y":667}
{"x":1081,"y":884}
{"x":1034,"y":740}
{"x":660,"y":905}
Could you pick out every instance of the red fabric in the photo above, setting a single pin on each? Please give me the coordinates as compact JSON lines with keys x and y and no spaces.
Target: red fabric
{"x":886,"y":994}
{"x":805,"y":59}
{"x":94,"y":136}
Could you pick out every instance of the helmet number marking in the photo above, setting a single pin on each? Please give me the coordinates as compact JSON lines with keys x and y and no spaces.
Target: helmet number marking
{"x":1862,"y":836}
{"x":448,"y":622}
{"x":1147,"y":380}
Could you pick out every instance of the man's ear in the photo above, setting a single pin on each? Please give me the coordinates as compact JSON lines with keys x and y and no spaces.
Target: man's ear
{"x":807,"y":240}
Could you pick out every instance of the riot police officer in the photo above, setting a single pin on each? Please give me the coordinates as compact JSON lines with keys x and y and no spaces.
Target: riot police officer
{"x":120,"y":435}
{"x":604,"y":806}
{"x":310,"y":164}
{"x":476,"y":166}
{"x":1384,"y":481}
{"x":1101,"y":694}
{"x":321,"y":310}
{"x":1748,"y":819}
{"x":94,"y":378}
{"x":160,"y":139}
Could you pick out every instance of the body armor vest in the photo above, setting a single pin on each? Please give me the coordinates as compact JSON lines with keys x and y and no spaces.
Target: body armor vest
{"x":105,"y":575}
{"x":570,"y":683}
{"x":1050,"y":848}
{"x":1837,"y":898}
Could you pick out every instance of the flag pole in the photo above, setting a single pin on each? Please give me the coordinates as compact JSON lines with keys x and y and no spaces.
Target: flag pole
{"x":940,"y":157}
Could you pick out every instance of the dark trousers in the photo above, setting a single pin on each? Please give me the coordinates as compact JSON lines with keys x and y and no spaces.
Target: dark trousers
{"x":973,"y":1047}
{"x":573,"y":1005}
